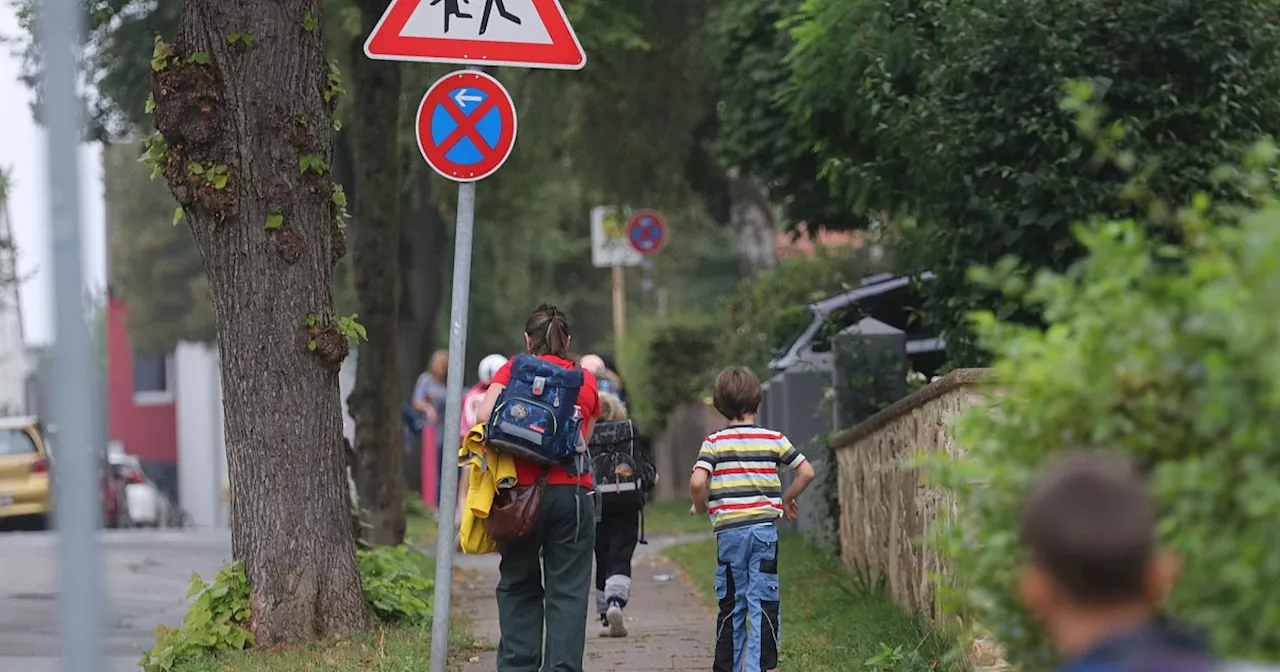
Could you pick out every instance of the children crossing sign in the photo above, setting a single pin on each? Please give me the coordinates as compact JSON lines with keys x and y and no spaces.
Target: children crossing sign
{"x":515,"y":33}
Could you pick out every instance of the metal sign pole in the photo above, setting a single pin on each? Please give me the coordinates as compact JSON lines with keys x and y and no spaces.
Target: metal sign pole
{"x":452,"y":425}
{"x":74,"y":411}
{"x":619,"y":310}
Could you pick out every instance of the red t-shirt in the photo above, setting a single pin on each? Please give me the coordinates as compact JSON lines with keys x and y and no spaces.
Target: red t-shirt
{"x":588,"y":402}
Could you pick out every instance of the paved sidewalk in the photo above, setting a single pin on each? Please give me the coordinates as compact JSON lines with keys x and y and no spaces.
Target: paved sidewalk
{"x":670,"y":627}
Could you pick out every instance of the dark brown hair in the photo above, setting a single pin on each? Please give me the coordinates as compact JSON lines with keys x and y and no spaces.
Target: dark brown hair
{"x":738,"y":393}
{"x":548,"y":332}
{"x":1089,"y":522}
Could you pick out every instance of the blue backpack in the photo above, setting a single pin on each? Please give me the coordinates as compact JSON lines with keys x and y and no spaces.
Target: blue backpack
{"x":536,"y":417}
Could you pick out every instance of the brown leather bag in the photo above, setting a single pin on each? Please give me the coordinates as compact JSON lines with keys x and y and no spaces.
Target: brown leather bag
{"x":515,"y":512}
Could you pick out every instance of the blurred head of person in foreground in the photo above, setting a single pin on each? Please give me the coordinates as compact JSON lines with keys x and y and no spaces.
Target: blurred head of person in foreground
{"x":1094,"y":576}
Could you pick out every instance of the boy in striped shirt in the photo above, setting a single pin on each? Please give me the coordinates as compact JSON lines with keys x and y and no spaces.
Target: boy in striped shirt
{"x":736,"y":480}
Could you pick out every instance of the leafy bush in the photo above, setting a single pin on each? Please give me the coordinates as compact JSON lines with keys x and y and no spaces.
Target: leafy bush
{"x":398,"y":583}
{"x":1166,"y":352}
{"x":216,"y":621}
{"x":899,"y":659}
{"x":668,"y":363}
{"x":766,"y":314}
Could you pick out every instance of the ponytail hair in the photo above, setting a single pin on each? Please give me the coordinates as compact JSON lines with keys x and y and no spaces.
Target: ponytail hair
{"x":611,"y":408}
{"x":548,"y":332}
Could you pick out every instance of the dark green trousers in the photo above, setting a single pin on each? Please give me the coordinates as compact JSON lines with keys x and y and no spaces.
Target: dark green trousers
{"x":559,"y":550}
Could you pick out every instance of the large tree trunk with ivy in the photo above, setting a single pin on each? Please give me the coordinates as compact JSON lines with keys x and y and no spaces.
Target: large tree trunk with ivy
{"x":243,"y":105}
{"x":374,"y":402}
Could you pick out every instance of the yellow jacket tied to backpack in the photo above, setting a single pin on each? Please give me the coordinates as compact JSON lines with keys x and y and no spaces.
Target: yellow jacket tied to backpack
{"x":490,"y":471}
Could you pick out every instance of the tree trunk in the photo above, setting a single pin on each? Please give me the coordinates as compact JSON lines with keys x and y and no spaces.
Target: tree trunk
{"x":751,"y":216}
{"x":374,"y":402}
{"x":422,"y":241}
{"x":240,"y":100}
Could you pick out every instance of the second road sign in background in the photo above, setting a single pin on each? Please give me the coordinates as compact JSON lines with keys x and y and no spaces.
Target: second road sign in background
{"x":646,"y":231}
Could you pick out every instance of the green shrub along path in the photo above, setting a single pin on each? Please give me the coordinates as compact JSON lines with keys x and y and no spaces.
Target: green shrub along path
{"x":831,"y":619}
{"x":398,"y":584}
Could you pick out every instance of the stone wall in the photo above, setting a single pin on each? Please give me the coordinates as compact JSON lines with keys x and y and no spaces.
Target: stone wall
{"x":885,"y":508}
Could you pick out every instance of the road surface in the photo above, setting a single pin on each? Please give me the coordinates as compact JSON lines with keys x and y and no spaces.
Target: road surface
{"x":147,"y":574}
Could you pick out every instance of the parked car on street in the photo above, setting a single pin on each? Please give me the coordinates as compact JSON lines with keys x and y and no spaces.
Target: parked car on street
{"x":146,"y":505}
{"x":26,"y":466}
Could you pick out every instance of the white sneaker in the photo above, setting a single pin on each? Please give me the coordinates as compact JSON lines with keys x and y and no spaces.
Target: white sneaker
{"x":617,"y":623}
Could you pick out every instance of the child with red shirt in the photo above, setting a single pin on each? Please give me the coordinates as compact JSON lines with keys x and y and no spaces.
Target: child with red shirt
{"x":564,"y":535}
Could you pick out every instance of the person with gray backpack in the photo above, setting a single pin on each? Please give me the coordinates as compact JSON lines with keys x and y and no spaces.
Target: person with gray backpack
{"x":624,"y":476}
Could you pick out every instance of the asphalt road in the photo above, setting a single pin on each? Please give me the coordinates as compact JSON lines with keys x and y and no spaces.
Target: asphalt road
{"x":147,"y":574}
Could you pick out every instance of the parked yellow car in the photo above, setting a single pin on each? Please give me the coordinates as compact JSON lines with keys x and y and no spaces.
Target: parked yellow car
{"x":26,"y":486}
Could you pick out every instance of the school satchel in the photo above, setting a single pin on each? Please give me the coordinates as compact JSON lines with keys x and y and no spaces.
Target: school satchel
{"x":536,"y":417}
{"x":624,"y":472}
{"x":515,"y":511}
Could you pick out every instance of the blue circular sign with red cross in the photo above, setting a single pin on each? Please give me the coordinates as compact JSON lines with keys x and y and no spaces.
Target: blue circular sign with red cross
{"x":646,"y":231}
{"x":466,"y":126}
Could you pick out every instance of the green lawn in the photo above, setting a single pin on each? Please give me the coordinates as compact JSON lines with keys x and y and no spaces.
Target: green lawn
{"x":830,"y":619}
{"x":386,"y":649}
{"x":419,"y":523}
{"x":672,"y":517}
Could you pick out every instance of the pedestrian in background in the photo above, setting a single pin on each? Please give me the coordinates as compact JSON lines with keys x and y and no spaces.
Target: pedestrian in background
{"x":428,"y":401}
{"x":624,"y":475}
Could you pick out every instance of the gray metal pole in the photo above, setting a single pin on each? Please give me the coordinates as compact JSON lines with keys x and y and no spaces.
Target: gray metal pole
{"x":74,"y":411}
{"x":452,"y":424}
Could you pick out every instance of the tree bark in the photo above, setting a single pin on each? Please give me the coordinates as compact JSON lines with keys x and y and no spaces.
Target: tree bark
{"x":422,"y":241}
{"x":248,"y":136}
{"x":751,"y":216}
{"x":374,"y":402}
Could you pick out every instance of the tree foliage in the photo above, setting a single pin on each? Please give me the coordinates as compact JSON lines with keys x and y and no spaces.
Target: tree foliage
{"x":624,"y":142}
{"x":945,"y":115}
{"x":755,"y":132}
{"x":1163,"y":351}
{"x":155,"y":266}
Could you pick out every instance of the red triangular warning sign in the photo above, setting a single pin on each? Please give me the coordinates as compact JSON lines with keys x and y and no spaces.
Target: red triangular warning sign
{"x":518,"y":33}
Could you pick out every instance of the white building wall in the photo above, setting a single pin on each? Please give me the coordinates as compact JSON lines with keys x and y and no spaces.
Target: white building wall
{"x":13,"y":352}
{"x":202,"y":449}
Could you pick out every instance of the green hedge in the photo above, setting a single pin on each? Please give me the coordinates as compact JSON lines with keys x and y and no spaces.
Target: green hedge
{"x":1166,"y":352}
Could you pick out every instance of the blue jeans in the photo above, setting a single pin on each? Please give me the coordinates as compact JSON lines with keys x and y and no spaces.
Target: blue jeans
{"x":749,"y":626}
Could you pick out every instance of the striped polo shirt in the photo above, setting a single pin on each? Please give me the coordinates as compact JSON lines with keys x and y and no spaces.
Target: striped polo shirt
{"x":743,"y":462}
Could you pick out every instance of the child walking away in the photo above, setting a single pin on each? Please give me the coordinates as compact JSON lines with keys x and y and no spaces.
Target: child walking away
{"x":736,"y":480}
{"x":624,"y":475}
{"x":1094,"y":578}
